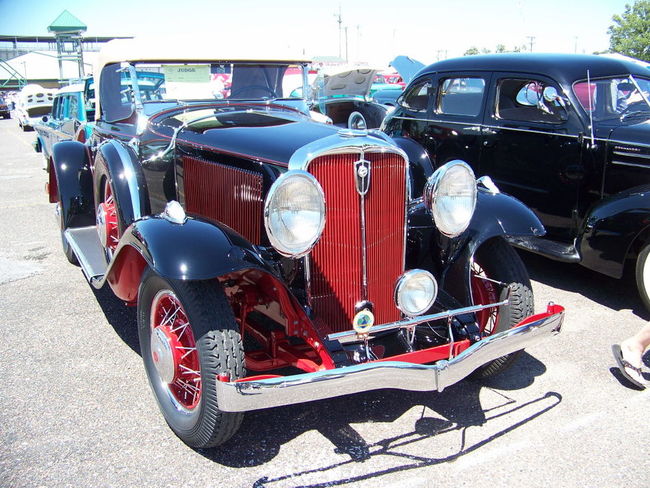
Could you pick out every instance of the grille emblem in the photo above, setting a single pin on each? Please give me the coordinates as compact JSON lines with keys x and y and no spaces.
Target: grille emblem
{"x":362,"y":176}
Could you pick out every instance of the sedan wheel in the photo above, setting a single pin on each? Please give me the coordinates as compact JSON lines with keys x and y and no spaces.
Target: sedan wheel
{"x":643,"y":276}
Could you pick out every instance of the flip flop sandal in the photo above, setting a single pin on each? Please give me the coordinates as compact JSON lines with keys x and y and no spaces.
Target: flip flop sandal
{"x":624,"y":366}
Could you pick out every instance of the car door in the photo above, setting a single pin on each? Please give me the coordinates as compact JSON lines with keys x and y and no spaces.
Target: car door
{"x":532,"y":148}
{"x":454,"y":126}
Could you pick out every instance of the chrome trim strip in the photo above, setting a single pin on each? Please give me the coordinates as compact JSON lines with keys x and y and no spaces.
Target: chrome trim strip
{"x":631,"y":154}
{"x":621,"y":163}
{"x":364,"y":250}
{"x":410,"y":322}
{"x":288,"y":390}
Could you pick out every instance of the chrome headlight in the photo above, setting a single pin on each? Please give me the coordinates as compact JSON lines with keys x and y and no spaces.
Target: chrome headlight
{"x":450,"y":194}
{"x":294,"y":213}
{"x":415,"y":292}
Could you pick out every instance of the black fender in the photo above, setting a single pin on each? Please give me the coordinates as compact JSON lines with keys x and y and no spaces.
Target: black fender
{"x":420,"y":166}
{"x":612,"y":227}
{"x":120,"y":165}
{"x":71,"y":166}
{"x":496,"y":215}
{"x":194,"y":250}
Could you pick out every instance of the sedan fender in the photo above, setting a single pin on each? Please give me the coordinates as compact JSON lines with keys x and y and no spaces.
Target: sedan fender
{"x":611,"y":228}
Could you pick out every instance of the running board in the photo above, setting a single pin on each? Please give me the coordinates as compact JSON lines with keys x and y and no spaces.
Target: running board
{"x":546,"y":247}
{"x":84,"y":241}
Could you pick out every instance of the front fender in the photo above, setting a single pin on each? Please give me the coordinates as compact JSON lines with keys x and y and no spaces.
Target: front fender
{"x":194,"y":250}
{"x":496,"y":215}
{"x":118,"y":163}
{"x":611,"y":227}
{"x":71,"y":166}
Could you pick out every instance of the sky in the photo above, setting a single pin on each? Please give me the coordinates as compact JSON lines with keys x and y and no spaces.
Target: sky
{"x":372,"y":31}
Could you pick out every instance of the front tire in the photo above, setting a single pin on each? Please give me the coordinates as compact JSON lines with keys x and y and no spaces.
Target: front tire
{"x":498,"y":261}
{"x":643,"y":276}
{"x":188,"y":338}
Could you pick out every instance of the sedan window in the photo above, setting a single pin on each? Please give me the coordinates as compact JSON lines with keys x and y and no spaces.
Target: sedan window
{"x":461,"y":96}
{"x":417,"y":97}
{"x":529,"y":100}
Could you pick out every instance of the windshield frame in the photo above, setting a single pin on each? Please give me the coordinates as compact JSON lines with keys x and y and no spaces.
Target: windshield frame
{"x":272,"y":82}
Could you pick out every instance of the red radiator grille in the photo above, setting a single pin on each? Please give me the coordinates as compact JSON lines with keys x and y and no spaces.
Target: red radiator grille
{"x":229,"y":195}
{"x":336,"y":261}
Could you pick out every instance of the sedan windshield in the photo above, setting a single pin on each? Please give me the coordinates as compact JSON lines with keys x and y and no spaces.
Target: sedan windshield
{"x":614,"y":98}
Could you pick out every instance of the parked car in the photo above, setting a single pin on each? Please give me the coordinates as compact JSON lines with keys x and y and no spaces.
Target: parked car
{"x":5,"y":107}
{"x":568,"y":135}
{"x":343,"y":94}
{"x":275,"y":260}
{"x":34,"y":102}
{"x":68,"y":120}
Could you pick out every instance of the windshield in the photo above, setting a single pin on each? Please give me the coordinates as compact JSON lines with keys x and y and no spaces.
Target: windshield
{"x":614,"y":98}
{"x":163,"y":82}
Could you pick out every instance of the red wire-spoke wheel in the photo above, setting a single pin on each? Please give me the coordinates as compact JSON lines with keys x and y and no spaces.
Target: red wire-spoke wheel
{"x":188,"y":340}
{"x":173,"y":350}
{"x":106,"y":217}
{"x":484,"y":291}
{"x":499,"y":262}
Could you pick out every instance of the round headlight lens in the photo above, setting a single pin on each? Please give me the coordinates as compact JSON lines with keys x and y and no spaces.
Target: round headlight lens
{"x":450,"y":194}
{"x":294,"y":213}
{"x":415,"y":292}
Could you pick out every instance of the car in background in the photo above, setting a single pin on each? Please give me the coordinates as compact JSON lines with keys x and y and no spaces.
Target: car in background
{"x":34,"y":102}
{"x":5,"y":107}
{"x":568,"y":135}
{"x":342,"y":93}
{"x":273,"y":259}
{"x":67,"y":120}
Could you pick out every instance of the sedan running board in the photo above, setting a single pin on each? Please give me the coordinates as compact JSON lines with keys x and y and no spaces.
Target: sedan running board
{"x":551,"y":249}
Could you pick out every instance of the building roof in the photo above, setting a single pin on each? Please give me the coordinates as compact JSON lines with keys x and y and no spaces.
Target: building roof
{"x":66,"y":22}
{"x":44,"y":65}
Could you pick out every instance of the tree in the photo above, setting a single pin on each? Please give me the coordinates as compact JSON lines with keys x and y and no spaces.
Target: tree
{"x":630,"y":33}
{"x":471,"y":51}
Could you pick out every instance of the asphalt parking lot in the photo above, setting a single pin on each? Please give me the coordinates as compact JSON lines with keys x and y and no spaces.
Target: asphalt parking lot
{"x":76,"y":409}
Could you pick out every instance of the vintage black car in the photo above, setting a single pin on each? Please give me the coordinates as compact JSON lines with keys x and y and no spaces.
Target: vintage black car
{"x":274,"y":259}
{"x":568,"y":135}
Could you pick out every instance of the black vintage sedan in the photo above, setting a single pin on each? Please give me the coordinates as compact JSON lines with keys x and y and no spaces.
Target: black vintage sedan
{"x":273,"y":259}
{"x":568,"y":135}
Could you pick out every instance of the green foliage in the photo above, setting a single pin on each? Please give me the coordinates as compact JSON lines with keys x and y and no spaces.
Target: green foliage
{"x":471,"y":51}
{"x":630,"y":33}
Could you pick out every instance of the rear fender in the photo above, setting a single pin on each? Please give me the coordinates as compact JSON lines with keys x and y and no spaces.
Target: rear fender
{"x":119,"y":164}
{"x":496,"y":215}
{"x":71,"y":183}
{"x":612,"y":228}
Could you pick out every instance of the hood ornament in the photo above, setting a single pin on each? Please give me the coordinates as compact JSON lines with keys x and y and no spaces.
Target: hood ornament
{"x":362,"y":176}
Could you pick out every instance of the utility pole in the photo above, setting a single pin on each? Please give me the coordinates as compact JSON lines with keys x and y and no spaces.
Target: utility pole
{"x":531,"y":39}
{"x":340,"y":22}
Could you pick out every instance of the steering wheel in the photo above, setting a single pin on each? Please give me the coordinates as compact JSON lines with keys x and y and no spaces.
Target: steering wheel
{"x":244,"y":89}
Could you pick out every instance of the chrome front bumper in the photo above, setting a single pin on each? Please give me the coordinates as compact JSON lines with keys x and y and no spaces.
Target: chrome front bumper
{"x":244,"y":396}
